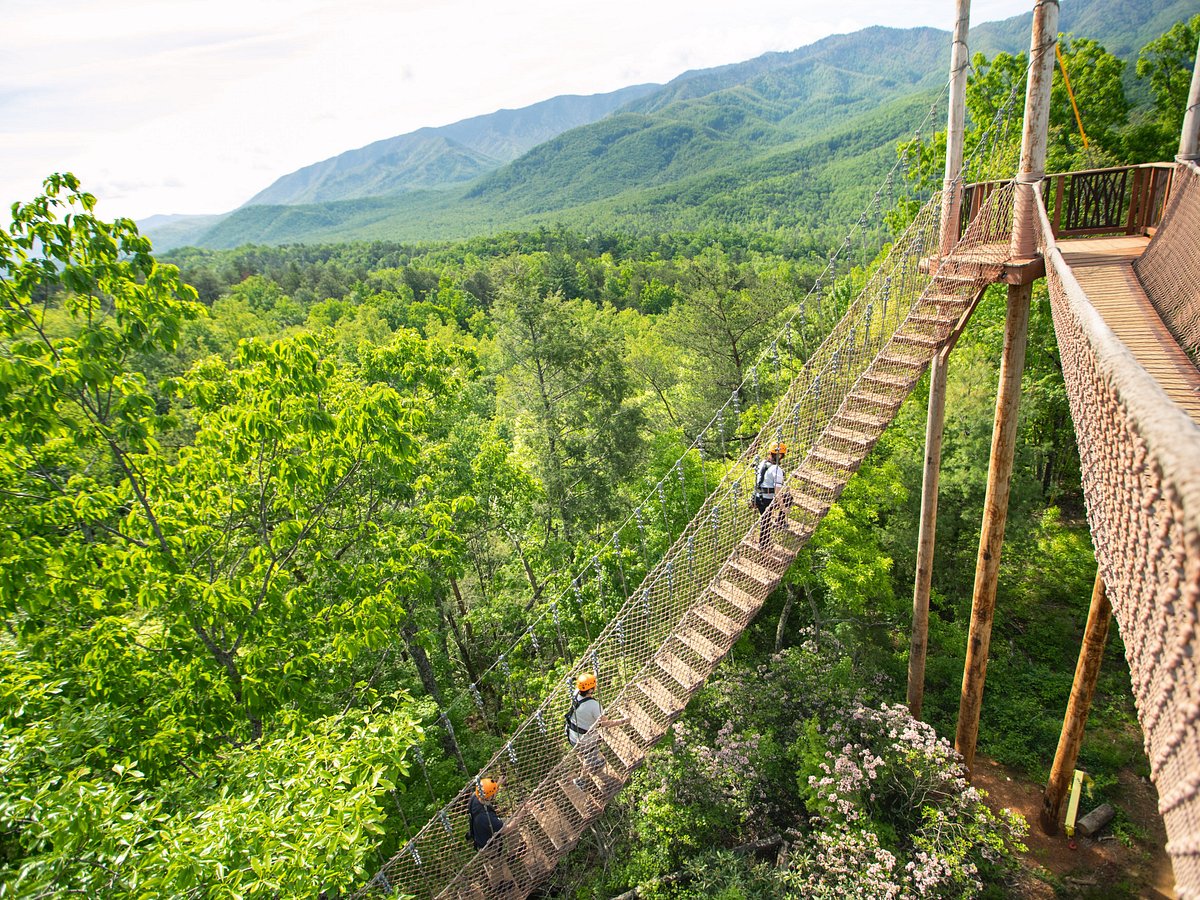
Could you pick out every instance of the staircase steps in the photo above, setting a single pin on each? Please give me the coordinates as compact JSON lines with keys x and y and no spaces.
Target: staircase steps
{"x":678,"y":671}
{"x":735,"y":596}
{"x":887,"y":380}
{"x":698,"y":644}
{"x":772,"y":557}
{"x":926,"y":321}
{"x":810,"y":505}
{"x":717,"y":620}
{"x":498,"y":874}
{"x":917,"y":340}
{"x":827,"y":483}
{"x":556,"y":814}
{"x":552,"y":823}
{"x":861,"y":420}
{"x":753,"y":571}
{"x":661,"y":697}
{"x":892,"y":355}
{"x":622,"y":746}
{"x":851,"y":437}
{"x":847,"y":461}
{"x":642,"y":723}
{"x":585,"y":804}
{"x":940,"y":297}
{"x":886,"y":401}
{"x":536,"y":862}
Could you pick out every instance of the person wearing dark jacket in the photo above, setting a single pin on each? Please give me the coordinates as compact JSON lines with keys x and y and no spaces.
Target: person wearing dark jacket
{"x":484,"y":821}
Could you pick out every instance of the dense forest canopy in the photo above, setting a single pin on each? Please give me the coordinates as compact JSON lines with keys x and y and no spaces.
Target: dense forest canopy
{"x":268,"y":510}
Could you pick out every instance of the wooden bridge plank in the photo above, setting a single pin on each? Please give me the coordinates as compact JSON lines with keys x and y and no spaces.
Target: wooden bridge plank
{"x":1104,"y":269}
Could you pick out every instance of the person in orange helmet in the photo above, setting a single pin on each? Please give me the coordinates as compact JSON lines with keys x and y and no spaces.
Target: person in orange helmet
{"x":485,"y":823}
{"x":768,"y":484}
{"x":586,"y":712}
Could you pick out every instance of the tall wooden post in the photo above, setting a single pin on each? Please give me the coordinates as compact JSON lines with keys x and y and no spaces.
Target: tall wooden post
{"x":952,"y":191}
{"x":1004,"y":428}
{"x":919,"y":644}
{"x":1087,"y":671}
{"x":1189,"y":138}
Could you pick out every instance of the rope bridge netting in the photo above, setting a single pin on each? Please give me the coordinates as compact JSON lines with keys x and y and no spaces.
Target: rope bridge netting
{"x":676,"y":626}
{"x":1140,"y":456}
{"x":1169,"y":269}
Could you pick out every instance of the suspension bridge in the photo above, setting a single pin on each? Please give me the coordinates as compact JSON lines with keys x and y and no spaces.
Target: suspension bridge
{"x":1119,"y":251}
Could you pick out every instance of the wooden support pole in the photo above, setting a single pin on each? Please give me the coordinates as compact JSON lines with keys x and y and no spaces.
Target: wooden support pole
{"x":952,"y":191}
{"x":919,"y":643}
{"x":995,"y":516}
{"x":952,"y":183}
{"x":1012,"y":363}
{"x":1087,"y":671}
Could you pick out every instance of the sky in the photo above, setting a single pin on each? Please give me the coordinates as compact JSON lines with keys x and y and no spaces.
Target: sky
{"x":193,"y":106}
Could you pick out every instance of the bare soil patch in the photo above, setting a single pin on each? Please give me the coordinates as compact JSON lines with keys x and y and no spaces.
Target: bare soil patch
{"x":1127,"y":860}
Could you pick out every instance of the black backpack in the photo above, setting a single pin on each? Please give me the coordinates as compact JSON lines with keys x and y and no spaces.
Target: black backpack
{"x":569,"y":717}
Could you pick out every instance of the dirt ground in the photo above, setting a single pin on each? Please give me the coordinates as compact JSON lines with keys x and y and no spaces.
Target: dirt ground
{"x":1132,"y":864}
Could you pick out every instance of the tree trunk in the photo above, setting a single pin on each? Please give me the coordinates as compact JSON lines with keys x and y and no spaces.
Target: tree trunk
{"x":781,"y":627}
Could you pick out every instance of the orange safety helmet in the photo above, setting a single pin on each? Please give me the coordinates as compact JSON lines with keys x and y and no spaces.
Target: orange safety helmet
{"x":586,"y":681}
{"x":780,"y":448}
{"x":487,"y":789}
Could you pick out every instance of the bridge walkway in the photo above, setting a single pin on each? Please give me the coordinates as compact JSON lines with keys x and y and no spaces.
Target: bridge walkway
{"x":1104,"y":268}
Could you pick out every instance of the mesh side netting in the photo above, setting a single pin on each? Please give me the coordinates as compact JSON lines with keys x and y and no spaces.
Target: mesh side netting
{"x":1140,"y":457}
{"x":677,"y":625}
{"x":1169,"y":269}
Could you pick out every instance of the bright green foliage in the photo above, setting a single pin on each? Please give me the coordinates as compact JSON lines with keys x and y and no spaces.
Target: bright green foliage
{"x":1167,"y":63}
{"x":1095,"y":76}
{"x":565,"y":379}
{"x":179,"y":620}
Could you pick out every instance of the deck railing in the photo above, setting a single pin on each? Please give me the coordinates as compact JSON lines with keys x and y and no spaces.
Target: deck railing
{"x":1119,"y":200}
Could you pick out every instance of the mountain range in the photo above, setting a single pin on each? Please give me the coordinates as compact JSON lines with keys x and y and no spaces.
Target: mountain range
{"x":777,"y":139}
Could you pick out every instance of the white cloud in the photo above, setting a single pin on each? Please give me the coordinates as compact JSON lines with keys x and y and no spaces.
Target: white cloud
{"x":195,"y":105}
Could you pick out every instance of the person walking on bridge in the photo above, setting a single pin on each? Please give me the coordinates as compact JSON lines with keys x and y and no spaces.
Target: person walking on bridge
{"x":485,"y":823}
{"x":587,"y":714}
{"x":768,"y":486}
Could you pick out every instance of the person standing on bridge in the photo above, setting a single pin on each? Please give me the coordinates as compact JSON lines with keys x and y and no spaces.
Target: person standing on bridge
{"x":485,"y":823}
{"x":768,"y":485}
{"x":587,"y":714}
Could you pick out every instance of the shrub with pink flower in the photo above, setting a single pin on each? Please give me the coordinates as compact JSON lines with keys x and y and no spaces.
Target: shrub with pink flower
{"x":895,"y":815}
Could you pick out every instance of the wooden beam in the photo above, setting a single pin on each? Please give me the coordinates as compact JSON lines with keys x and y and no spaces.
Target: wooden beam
{"x":1189,"y":136}
{"x":1087,"y":671}
{"x":952,"y":191}
{"x":919,"y":642}
{"x":1004,"y":430}
{"x":995,"y":515}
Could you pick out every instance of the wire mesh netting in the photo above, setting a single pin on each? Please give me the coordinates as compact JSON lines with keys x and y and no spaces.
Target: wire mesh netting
{"x":1140,"y":458}
{"x":1169,"y":269}
{"x":676,"y":626}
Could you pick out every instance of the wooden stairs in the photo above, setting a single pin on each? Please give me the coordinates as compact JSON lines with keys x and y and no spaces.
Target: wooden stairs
{"x":555,"y":815}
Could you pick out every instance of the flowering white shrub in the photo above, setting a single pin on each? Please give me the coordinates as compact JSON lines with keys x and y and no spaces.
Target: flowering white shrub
{"x":895,"y":817}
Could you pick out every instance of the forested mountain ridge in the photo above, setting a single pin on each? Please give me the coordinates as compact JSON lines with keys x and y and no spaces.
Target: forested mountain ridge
{"x":708,"y":127}
{"x":432,"y":157}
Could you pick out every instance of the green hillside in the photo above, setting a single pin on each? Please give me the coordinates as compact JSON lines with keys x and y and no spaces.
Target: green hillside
{"x":791,"y":139}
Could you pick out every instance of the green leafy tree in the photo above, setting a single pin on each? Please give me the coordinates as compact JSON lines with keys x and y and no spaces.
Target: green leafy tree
{"x":564,"y":376}
{"x":1166,"y":63}
{"x":179,"y":624}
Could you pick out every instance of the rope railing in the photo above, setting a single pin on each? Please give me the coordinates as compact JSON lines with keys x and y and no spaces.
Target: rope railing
{"x":1140,"y":463}
{"x":830,"y":416}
